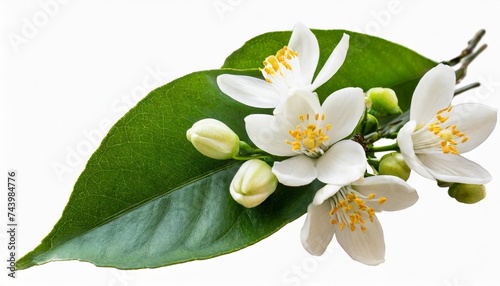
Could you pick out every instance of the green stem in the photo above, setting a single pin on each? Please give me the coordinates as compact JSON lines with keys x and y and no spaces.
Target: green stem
{"x":392,"y":147}
{"x":255,"y":156}
{"x":247,"y":152}
{"x":247,"y":149}
{"x":374,"y":163}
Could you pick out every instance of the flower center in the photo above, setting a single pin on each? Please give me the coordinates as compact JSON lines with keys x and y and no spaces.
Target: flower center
{"x":448,"y":135}
{"x":279,"y":63}
{"x":349,"y":208}
{"x":308,"y":137}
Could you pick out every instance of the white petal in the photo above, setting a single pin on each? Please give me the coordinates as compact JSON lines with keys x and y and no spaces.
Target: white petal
{"x":269,"y":134}
{"x":434,"y":92}
{"x":342,"y":164}
{"x":454,"y":168}
{"x":476,"y":120}
{"x":300,"y":103}
{"x":306,"y":45}
{"x":333,"y":63}
{"x":317,"y":231}
{"x":398,"y":193}
{"x":249,"y":90}
{"x":325,"y":193}
{"x":366,"y":247}
{"x":343,"y":110}
{"x":405,"y":144}
{"x":310,"y":98}
{"x":295,"y":171}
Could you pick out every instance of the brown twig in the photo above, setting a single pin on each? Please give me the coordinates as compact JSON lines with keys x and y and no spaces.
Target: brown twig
{"x":462,"y":71}
{"x":471,"y":45}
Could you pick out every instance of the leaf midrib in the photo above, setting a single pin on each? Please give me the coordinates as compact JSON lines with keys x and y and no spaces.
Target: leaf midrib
{"x":139,"y":204}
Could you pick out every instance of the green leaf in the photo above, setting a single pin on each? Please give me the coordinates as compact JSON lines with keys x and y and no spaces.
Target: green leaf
{"x":370,"y":62}
{"x":147,"y":198}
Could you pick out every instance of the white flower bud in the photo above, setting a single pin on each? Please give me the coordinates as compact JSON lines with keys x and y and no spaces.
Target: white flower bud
{"x":214,"y":139}
{"x":253,"y":183}
{"x":384,"y":101}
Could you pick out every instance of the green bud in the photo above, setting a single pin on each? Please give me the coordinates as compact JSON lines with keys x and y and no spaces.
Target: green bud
{"x":443,"y":184}
{"x":467,"y":193}
{"x":253,"y":183}
{"x":384,"y":101}
{"x":371,"y":124}
{"x":214,"y":139}
{"x":394,"y":164}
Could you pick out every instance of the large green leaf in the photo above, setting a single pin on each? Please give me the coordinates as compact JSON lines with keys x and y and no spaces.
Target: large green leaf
{"x":147,"y":198}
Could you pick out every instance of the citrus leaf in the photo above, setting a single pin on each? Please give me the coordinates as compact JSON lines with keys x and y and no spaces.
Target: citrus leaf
{"x":147,"y":198}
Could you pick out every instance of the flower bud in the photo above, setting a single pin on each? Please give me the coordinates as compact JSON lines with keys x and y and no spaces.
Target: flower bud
{"x":467,"y":193}
{"x":214,"y":139}
{"x":253,"y":183}
{"x":384,"y":101}
{"x":371,"y":124}
{"x":394,"y":164}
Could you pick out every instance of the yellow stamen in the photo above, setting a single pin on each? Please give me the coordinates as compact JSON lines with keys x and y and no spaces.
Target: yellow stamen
{"x":353,"y":209}
{"x":309,"y":137}
{"x":448,"y":134}
{"x":274,"y":64}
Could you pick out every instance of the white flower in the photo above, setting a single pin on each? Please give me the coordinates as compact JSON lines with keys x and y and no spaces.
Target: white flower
{"x":437,"y":133}
{"x":308,"y":131}
{"x":348,"y":212}
{"x":288,"y":72}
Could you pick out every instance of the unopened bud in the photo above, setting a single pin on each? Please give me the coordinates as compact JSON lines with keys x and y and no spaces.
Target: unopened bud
{"x":394,"y":164}
{"x":467,"y":193}
{"x":253,"y":183}
{"x":213,"y":139}
{"x":384,"y":101}
{"x":371,"y":124}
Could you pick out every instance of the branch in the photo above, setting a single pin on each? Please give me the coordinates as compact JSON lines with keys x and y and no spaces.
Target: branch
{"x":471,"y":45}
{"x":462,"y":71}
{"x":466,"y":88}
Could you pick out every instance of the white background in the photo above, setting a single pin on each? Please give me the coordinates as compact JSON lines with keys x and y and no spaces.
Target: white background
{"x":68,"y":69}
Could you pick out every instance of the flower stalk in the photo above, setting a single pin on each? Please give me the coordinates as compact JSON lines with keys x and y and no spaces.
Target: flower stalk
{"x":247,"y":152}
